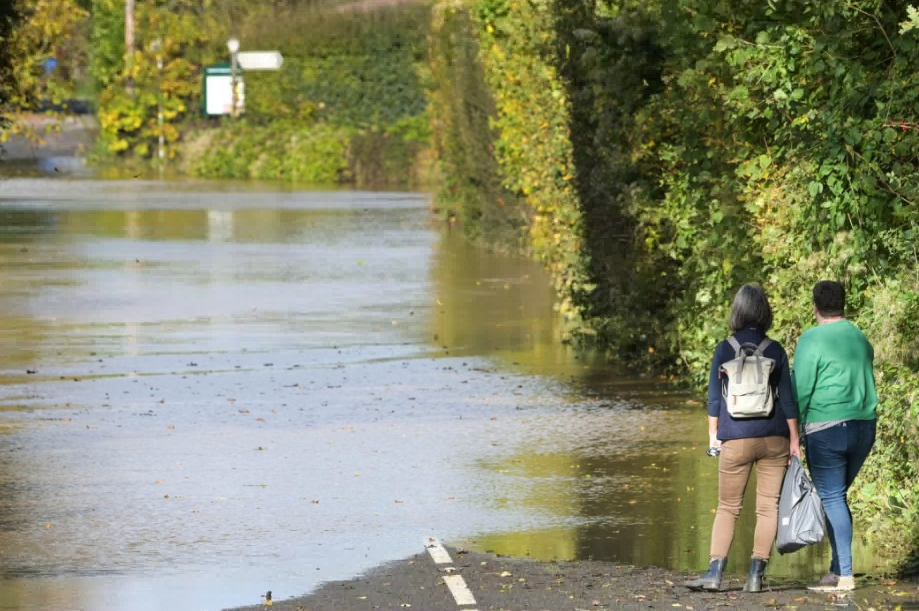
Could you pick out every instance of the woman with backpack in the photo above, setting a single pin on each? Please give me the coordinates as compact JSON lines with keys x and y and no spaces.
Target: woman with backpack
{"x":752,"y":420}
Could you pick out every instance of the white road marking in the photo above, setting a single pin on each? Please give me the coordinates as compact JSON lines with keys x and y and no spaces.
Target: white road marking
{"x":460,"y":591}
{"x":457,"y":585}
{"x":438,"y":552}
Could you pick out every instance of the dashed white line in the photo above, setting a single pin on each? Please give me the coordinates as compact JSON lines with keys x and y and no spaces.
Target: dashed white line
{"x":438,"y":552}
{"x":457,"y":585}
{"x":461,"y":592}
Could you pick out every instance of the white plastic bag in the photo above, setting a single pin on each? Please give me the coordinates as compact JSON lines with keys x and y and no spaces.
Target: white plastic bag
{"x":801,"y":518}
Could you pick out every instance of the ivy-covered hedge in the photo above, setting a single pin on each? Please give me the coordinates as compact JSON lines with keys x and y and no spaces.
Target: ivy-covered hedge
{"x":313,"y":153}
{"x":657,"y":155}
{"x":346,"y":107}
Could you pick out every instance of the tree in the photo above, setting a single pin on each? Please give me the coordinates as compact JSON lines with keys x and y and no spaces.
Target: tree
{"x":7,"y":19}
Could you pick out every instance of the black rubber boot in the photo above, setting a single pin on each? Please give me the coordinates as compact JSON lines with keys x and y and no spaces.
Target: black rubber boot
{"x":755,"y":578}
{"x":712,"y":579}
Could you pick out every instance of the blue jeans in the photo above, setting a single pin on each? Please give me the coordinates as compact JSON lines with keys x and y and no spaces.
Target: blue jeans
{"x":834,"y":457}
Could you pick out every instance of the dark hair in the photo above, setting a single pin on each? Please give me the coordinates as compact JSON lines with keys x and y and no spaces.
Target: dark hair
{"x":751,"y":309}
{"x":830,"y":298}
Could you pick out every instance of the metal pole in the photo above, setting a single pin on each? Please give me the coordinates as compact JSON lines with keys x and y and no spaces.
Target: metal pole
{"x":159,"y":111}
{"x":157,"y":47}
{"x":129,"y":43}
{"x":234,"y":64}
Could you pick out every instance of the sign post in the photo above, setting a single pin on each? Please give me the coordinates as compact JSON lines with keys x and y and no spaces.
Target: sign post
{"x":224,"y":87}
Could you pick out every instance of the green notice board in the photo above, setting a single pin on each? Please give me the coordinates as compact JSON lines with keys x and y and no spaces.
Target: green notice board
{"x":217,"y":92}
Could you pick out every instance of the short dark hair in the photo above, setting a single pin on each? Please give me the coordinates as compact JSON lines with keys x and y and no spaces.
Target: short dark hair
{"x":830,"y":298}
{"x":751,"y":309}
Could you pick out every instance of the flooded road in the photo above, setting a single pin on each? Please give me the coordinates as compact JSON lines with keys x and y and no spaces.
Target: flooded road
{"x":211,"y":390}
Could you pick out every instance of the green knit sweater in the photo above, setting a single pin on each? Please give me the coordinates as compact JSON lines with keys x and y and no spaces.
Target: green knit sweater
{"x":833,"y":374}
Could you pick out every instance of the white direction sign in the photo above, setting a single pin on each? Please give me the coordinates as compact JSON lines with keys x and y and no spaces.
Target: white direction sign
{"x":260,"y":60}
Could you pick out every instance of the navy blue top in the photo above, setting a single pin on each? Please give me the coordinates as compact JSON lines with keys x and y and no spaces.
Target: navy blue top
{"x":780,"y":379}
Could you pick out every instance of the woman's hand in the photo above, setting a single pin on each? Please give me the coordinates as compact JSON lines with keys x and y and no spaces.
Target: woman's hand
{"x":713,"y":432}
{"x":794,"y":440}
{"x":713,"y":441}
{"x":794,"y":448}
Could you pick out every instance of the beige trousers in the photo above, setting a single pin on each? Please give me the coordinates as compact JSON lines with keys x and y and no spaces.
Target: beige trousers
{"x":770,"y":455}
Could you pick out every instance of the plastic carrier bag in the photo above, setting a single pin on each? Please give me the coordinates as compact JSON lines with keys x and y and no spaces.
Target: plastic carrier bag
{"x":801,"y":519}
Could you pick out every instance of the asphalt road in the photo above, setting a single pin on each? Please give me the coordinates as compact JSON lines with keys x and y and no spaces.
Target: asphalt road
{"x":494,"y":583}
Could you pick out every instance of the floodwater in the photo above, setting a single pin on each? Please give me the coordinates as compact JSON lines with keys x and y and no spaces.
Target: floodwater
{"x":210,"y":390}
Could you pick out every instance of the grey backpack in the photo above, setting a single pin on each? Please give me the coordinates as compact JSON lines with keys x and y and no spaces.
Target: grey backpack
{"x":748,"y":393}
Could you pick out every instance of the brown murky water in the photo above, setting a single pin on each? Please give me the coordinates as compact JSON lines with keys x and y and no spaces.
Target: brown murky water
{"x":210,"y":390}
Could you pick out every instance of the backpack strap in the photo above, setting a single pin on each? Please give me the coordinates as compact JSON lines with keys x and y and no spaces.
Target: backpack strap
{"x":761,"y":349}
{"x":741,"y":353}
{"x":738,"y":351}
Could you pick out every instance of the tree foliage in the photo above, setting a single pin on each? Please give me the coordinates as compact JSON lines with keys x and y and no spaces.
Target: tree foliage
{"x":45,"y":29}
{"x":7,"y":20}
{"x":664,"y":153}
{"x":174,"y":40}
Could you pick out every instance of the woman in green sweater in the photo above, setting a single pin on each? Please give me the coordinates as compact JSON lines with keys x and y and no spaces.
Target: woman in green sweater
{"x":833,"y":377}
